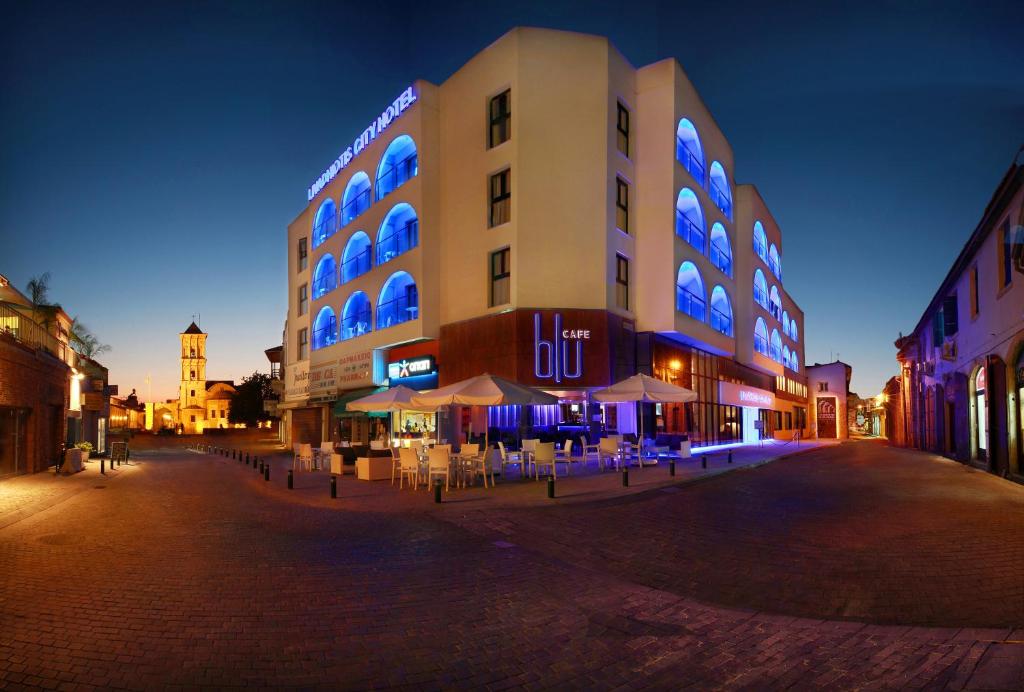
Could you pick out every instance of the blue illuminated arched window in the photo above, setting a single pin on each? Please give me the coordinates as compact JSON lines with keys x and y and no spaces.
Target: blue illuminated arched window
{"x":785,"y":356}
{"x":760,"y":242}
{"x":690,"y":219}
{"x":325,"y":276}
{"x":690,"y":295}
{"x":398,"y":164}
{"x":721,"y":311}
{"x":793,"y":331}
{"x":689,"y":152}
{"x":357,"y":197}
{"x":325,"y":221}
{"x":355,"y":316}
{"x":761,"y":336}
{"x":721,"y":251}
{"x":774,"y":263}
{"x":357,"y":259}
{"x":398,"y":301}
{"x":760,"y":289}
{"x":776,"y":346}
{"x":794,"y":361}
{"x":325,"y":328}
{"x":785,"y":323}
{"x":718,"y":188}
{"x":775,"y":303}
{"x":399,"y":232}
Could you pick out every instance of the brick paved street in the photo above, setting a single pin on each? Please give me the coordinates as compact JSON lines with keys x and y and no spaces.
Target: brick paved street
{"x":187,"y":570}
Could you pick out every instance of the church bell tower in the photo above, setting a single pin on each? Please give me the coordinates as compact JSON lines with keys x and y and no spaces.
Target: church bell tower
{"x":193,"y":367}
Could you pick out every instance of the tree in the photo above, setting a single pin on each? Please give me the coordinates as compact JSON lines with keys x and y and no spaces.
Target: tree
{"x":85,"y":342}
{"x":38,"y":287}
{"x":247,"y":402}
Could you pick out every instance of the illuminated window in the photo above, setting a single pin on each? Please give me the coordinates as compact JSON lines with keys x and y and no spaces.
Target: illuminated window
{"x":500,"y":119}
{"x":690,"y":296}
{"x":622,"y":129}
{"x":303,"y":254}
{"x":303,"y":299}
{"x":398,"y":165}
{"x":500,"y":198}
{"x":621,"y":282}
{"x":357,"y":197}
{"x":689,"y":152}
{"x":721,"y":311}
{"x":356,"y":316}
{"x":794,"y":361}
{"x":785,"y":323}
{"x":303,"y":343}
{"x":776,"y":346}
{"x":793,"y":330}
{"x":324,"y":223}
{"x":501,"y":277}
{"x":760,"y":242}
{"x":622,"y":205}
{"x":399,"y":232}
{"x":357,"y":260}
{"x":761,"y":336}
{"x":718,"y":188}
{"x":690,"y":219}
{"x":774,"y":263}
{"x":721,"y":251}
{"x":775,"y":303}
{"x":760,"y":289}
{"x":325,"y":328}
{"x":398,"y":301}
{"x":325,"y":277}
{"x":785,"y":355}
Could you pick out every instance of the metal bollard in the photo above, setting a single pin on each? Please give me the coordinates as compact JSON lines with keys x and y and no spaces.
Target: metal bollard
{"x":232,"y":454}
{"x":247,"y":457}
{"x":102,"y":469}
{"x":266,"y":472}
{"x":551,"y":486}
{"x":334,"y":486}
{"x":290,"y":485}
{"x":671,"y":467}
{"x":730,"y":456}
{"x":261,"y":466}
{"x":437,"y":491}
{"x":704,"y":461}
{"x":254,"y":466}
{"x":625,"y":478}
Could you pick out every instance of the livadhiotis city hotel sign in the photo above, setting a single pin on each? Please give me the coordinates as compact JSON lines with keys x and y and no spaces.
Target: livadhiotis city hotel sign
{"x":372,"y":132}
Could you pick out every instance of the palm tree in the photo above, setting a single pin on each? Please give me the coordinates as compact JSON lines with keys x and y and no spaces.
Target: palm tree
{"x":38,"y":287}
{"x":84,"y":342}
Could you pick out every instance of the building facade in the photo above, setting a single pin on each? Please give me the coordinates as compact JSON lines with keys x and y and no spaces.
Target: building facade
{"x":556,"y":216}
{"x":961,"y":376}
{"x":828,"y":387}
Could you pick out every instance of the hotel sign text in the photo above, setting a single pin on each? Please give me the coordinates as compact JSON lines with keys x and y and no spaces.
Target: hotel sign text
{"x":732,"y":394}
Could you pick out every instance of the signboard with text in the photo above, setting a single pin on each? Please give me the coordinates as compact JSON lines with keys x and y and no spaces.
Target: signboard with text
{"x":732,"y":394}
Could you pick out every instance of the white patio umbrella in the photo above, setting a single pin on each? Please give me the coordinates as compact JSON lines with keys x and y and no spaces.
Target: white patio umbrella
{"x":395,"y":399}
{"x":644,"y":389}
{"x":484,"y":390}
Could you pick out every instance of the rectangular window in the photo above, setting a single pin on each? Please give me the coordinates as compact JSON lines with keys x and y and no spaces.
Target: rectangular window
{"x":789,"y":420}
{"x":622,"y":129}
{"x":778,"y":420}
{"x":975,"y":307}
{"x":622,"y":205}
{"x":950,"y":319}
{"x":1005,"y":256}
{"x":621,"y":282}
{"x":193,"y":418}
{"x":501,"y":277}
{"x":823,"y":386}
{"x":500,"y":119}
{"x":303,"y":343}
{"x":303,"y":299}
{"x":303,"y":254}
{"x":501,"y":198}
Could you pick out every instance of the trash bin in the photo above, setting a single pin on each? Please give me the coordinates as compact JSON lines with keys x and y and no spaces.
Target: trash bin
{"x":684,"y":447}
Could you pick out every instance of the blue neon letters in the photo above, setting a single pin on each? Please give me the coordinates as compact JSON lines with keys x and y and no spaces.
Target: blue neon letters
{"x":551,"y":359}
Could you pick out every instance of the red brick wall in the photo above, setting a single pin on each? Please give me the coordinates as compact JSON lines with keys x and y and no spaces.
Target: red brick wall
{"x":36,"y":380}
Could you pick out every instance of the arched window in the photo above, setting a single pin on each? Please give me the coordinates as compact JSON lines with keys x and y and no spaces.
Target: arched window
{"x":357,"y":260}
{"x":794,"y":361}
{"x":792,"y":330}
{"x":760,"y":289}
{"x":398,"y":164}
{"x":760,"y":242}
{"x":785,"y":323}
{"x":776,"y":346}
{"x":761,"y":336}
{"x":718,"y":187}
{"x":325,"y":328}
{"x":355,"y":316}
{"x":399,"y":232}
{"x":982,"y":412}
{"x":721,"y":311}
{"x":689,"y":152}
{"x":690,"y":296}
{"x":398,"y":301}
{"x":690,"y":219}
{"x":357,"y":197}
{"x":774,"y":263}
{"x":785,"y":355}
{"x":325,"y":276}
{"x":324,"y":223}
{"x":721,"y":251}
{"x":775,"y":303}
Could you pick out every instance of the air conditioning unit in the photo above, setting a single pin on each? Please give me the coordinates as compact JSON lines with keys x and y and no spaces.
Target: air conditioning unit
{"x":949,"y":350}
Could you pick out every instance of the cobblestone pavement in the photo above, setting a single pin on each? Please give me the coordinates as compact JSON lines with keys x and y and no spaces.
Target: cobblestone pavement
{"x":186,"y":571}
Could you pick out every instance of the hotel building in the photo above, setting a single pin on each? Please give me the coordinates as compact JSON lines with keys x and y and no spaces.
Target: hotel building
{"x":553,"y":215}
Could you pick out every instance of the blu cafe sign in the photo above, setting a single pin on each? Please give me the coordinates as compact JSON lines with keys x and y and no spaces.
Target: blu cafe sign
{"x":560,"y":357}
{"x":372,"y":132}
{"x":414,"y":367}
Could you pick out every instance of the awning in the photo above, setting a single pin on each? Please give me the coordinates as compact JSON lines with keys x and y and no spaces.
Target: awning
{"x":341,"y":404}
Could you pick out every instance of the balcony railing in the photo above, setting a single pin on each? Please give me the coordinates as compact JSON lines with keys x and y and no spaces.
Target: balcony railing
{"x":356,"y":266}
{"x":761,"y":344}
{"x":689,"y":231}
{"x":689,"y":160}
{"x":721,"y":322}
{"x":326,"y":335}
{"x":324,"y":229}
{"x":356,"y":324}
{"x":761,"y":296}
{"x":324,"y":285}
{"x":721,"y":259}
{"x":398,"y":241}
{"x":27,"y":331}
{"x":690,"y":303}
{"x":761,"y":250}
{"x":396,"y":174}
{"x":720,"y":199}
{"x":355,"y":206}
{"x":398,"y":310}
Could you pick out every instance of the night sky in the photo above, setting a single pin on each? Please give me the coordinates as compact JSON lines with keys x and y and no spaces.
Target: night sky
{"x":151,"y":156}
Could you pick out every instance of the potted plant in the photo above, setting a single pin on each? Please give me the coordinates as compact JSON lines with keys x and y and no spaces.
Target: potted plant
{"x":86,"y":448}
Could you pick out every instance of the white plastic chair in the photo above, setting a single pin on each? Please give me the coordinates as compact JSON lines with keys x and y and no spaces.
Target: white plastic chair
{"x":510,"y":460}
{"x":608,"y":448}
{"x":396,"y":463}
{"x":564,"y":455}
{"x":304,"y":459}
{"x":409,"y":467}
{"x":438,"y":464}
{"x":323,"y":455}
{"x":544,"y":455}
{"x":589,"y":449}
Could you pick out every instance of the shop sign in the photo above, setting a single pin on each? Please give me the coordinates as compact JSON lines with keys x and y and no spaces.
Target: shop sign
{"x":323,"y":381}
{"x":561,"y":357}
{"x":92,"y":401}
{"x":372,"y":131}
{"x":355,"y":370}
{"x":412,"y":367}
{"x":732,"y":394}
{"x":298,"y":381}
